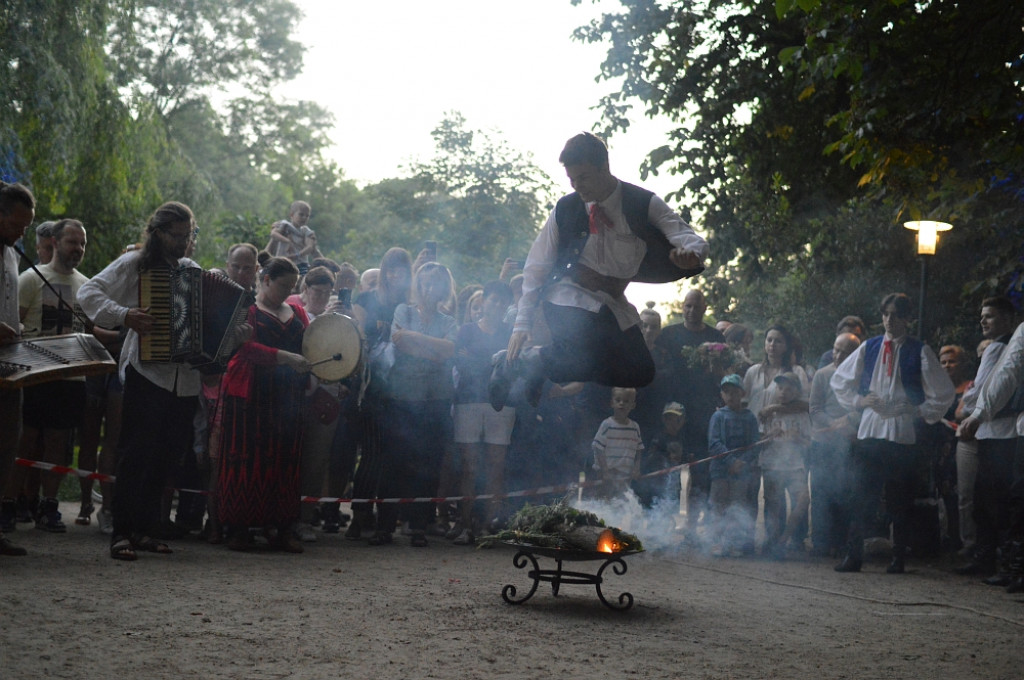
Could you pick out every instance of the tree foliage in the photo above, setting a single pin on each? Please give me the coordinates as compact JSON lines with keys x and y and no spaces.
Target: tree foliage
{"x":935,"y":95}
{"x":110,"y":107}
{"x":179,"y":51}
{"x":934,"y":123}
{"x":241,"y":156}
{"x":807,"y":130}
{"x":63,"y":127}
{"x":478,"y":198}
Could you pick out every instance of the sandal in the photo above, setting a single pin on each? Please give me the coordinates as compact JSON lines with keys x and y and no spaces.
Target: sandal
{"x":151,"y":545}
{"x":123,"y":550}
{"x":288,"y":543}
{"x":84,"y":518}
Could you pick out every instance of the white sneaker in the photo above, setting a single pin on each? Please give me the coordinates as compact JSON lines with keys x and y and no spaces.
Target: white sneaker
{"x":305,"y":533}
{"x":105,"y":519}
{"x":438,"y":528}
{"x":465,"y":538}
{"x":454,"y":532}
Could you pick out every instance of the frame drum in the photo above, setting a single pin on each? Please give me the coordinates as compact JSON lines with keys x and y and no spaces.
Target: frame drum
{"x":332,"y":344}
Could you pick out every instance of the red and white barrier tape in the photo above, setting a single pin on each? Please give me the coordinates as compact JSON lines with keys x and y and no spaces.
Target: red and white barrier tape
{"x":539,"y":491}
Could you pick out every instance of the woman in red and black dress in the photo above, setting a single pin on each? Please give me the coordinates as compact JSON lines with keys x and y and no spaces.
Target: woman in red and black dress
{"x":262,"y":397}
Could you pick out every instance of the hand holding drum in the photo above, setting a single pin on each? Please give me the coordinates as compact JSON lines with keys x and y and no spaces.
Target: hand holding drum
{"x":296,"y":362}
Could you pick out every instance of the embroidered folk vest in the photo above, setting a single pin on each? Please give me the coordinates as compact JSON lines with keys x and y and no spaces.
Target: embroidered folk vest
{"x":909,"y":363}
{"x":574,"y":228}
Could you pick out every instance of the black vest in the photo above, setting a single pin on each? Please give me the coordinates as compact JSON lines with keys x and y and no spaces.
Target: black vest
{"x":574,"y":228}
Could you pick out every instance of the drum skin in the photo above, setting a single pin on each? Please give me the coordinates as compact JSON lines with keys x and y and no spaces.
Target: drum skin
{"x":329,"y":335}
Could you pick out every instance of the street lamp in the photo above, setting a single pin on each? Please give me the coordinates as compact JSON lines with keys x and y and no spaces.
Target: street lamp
{"x":927,"y":238}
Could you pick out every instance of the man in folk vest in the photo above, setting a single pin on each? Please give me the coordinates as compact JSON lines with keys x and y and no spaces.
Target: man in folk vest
{"x":896,"y":381}
{"x":598,"y":239}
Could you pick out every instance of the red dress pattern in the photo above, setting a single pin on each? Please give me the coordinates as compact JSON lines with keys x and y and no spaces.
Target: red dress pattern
{"x":261,"y":440}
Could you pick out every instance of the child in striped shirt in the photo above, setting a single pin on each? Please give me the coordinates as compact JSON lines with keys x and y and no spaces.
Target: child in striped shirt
{"x":617,"y":445}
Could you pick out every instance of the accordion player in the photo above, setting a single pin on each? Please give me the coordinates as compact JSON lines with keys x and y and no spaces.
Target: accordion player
{"x":195,"y":313}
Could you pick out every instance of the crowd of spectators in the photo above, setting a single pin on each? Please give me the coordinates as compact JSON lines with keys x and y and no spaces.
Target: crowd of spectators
{"x":880,"y":437}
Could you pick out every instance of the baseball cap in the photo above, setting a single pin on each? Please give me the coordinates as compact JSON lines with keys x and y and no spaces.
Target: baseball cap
{"x":734,"y":380}
{"x":674,"y":407}
{"x":790,"y":378}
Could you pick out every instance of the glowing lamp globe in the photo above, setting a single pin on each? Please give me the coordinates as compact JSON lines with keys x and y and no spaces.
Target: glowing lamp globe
{"x":927,"y":234}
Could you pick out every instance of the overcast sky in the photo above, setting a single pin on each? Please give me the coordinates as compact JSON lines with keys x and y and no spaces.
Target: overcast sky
{"x":389,"y":70}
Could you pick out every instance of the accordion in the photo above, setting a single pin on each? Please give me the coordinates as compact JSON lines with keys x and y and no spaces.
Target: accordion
{"x":195,"y":314}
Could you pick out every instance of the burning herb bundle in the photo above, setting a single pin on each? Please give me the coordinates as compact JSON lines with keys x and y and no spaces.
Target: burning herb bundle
{"x":564,"y":527}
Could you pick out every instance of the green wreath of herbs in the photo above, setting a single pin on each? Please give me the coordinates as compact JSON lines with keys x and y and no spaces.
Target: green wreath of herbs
{"x":558,"y":526}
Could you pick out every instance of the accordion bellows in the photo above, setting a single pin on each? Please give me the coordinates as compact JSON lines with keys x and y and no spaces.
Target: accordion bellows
{"x":195,"y":312}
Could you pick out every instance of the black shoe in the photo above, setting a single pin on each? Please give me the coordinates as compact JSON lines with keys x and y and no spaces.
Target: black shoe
{"x":849,"y":564}
{"x":897,"y":566}
{"x":50,"y":517}
{"x":500,"y":383}
{"x":331,"y":514}
{"x":354,"y":531}
{"x":28,"y":509}
{"x":381,"y":538}
{"x":531,"y":367}
{"x":9,"y":549}
{"x":977,"y":567}
{"x":1017,"y":586}
{"x":534,"y":391}
{"x":1001,"y":579}
{"x":8,"y":515}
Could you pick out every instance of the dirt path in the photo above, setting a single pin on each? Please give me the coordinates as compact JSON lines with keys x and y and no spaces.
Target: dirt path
{"x":345,"y":610}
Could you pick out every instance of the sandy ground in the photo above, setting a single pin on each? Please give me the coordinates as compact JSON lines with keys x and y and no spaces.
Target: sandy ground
{"x":346,"y":610}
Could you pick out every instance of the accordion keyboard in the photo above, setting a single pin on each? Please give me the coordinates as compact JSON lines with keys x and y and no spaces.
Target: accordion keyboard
{"x":155,"y":294}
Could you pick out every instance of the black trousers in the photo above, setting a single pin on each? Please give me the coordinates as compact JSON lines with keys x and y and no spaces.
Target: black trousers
{"x":829,"y":465}
{"x":157,"y":427}
{"x":590,"y":347}
{"x":881,"y":466}
{"x":345,"y":446}
{"x":414,"y":436}
{"x":366,"y":478}
{"x":992,"y":489}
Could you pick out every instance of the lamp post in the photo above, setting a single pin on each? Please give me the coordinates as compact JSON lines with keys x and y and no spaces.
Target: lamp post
{"x":927,"y":239}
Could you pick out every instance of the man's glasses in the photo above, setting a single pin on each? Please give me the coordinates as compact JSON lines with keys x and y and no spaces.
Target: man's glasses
{"x":184,"y":238}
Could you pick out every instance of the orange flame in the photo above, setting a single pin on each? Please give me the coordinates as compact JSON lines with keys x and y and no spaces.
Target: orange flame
{"x":607,"y":542}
